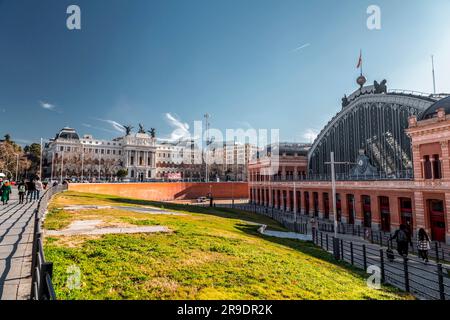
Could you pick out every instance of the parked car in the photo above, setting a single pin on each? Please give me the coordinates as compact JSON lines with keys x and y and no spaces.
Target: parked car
{"x":202,"y":199}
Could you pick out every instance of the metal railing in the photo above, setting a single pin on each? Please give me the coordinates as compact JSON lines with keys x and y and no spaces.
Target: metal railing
{"x":439,"y":251}
{"x":425,"y":281}
{"x":380,"y":176}
{"x":287,"y":220}
{"x":42,"y":270}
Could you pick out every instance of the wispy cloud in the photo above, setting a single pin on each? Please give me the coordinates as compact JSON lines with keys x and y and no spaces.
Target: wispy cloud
{"x":47,"y":106}
{"x":310,"y":135}
{"x":301,"y":47}
{"x":23,"y":141}
{"x":117,"y":126}
{"x":90,"y":126}
{"x":181,"y":129}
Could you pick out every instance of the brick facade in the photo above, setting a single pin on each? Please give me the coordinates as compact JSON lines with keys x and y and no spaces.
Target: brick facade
{"x":422,"y":202}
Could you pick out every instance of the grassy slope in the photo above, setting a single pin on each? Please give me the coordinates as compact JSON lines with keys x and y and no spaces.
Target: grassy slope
{"x":211,"y":254}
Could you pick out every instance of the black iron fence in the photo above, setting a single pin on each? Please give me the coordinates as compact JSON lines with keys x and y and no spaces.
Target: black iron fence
{"x":424,"y":280}
{"x":429,"y":281}
{"x":286,"y":219}
{"x":42,"y":287}
{"x":439,"y":251}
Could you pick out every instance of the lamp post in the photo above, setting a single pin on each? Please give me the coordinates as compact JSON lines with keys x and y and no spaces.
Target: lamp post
{"x":62,"y":165}
{"x":17,"y":166}
{"x":53,"y":166}
{"x":333,"y":188}
{"x":82,"y":163}
{"x":40,"y":160}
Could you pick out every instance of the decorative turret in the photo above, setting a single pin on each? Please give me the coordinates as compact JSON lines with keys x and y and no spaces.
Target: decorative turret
{"x":361,"y":81}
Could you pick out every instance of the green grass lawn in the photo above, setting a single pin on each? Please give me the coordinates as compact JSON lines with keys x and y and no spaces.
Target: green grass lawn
{"x":210,"y":254}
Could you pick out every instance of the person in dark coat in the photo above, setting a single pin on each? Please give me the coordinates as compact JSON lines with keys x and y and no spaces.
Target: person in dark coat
{"x":403,"y":240}
{"x":22,"y":189}
{"x":31,"y":189}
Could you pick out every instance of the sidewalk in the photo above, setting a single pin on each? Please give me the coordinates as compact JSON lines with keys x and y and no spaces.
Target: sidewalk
{"x":16,"y":239}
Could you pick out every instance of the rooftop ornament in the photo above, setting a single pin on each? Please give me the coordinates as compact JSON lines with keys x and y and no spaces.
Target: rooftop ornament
{"x":128,"y":129}
{"x":361,"y":81}
{"x":141,"y":129}
{"x":380,"y":87}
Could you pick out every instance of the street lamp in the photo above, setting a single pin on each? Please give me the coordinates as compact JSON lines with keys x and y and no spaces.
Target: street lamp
{"x":17,"y":166}
{"x":333,"y":188}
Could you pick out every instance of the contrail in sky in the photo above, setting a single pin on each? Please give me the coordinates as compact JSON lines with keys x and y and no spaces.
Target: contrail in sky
{"x":301,"y":47}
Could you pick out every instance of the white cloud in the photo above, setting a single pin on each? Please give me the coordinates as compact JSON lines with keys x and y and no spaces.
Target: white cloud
{"x":181,"y":129}
{"x":117,"y":126}
{"x":47,"y":106}
{"x":310,"y":135}
{"x":87,"y":125}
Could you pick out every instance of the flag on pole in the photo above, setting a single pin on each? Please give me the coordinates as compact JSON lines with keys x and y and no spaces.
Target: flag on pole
{"x":359,"y":60}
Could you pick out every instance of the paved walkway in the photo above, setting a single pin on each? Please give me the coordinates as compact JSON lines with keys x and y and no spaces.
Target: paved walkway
{"x":16,"y":238}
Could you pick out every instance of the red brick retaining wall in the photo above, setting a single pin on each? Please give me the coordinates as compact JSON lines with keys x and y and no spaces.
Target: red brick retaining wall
{"x":160,"y":191}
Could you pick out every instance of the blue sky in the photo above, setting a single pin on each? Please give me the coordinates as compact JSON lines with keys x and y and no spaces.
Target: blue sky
{"x":134,"y":61}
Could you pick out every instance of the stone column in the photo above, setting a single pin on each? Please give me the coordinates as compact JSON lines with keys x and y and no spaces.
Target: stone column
{"x":445,"y":165}
{"x":359,"y":217}
{"x":344,"y":208}
{"x":394,"y":210}
{"x":447,"y":217}
{"x":295,"y":200}
{"x":321,"y":206}
{"x":422,"y":169}
{"x":302,"y":201}
{"x":420,"y":219}
{"x":276,"y":199}
{"x":433,"y":174}
{"x":375,"y":212}
{"x":417,"y":163}
{"x":288,"y":200}
{"x":270,"y":196}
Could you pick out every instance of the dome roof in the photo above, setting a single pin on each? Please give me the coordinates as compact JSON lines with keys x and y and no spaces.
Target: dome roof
{"x":68,"y":133}
{"x":431,"y":112}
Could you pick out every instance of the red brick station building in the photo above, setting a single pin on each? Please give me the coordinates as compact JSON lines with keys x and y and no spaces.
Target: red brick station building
{"x":394,"y":150}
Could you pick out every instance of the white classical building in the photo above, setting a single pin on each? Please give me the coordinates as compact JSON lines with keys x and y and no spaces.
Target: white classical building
{"x":70,"y":156}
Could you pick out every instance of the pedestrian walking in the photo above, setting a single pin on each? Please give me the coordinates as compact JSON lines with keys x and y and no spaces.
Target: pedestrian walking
{"x":31,"y":188}
{"x":22,"y":188}
{"x":403,"y":240}
{"x":314,"y":226}
{"x":5,"y":191}
{"x":423,"y":244}
{"x":39,"y":188}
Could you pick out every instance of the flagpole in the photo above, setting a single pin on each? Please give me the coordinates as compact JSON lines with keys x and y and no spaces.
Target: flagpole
{"x":434,"y":78}
{"x":40,"y":160}
{"x":360,"y":57}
